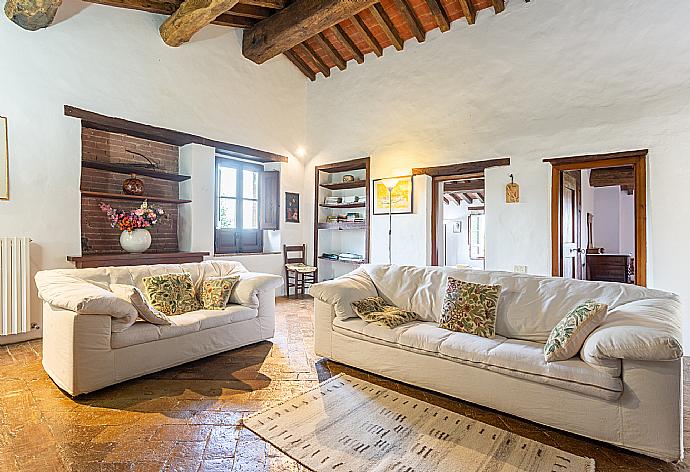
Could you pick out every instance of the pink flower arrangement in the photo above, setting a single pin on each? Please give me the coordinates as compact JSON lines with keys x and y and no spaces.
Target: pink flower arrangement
{"x":142,"y":217}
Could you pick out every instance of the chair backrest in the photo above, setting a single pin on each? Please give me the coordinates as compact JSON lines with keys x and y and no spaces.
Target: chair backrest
{"x":302,"y":250}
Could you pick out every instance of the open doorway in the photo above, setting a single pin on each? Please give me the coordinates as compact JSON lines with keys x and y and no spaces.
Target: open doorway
{"x":463,"y":226}
{"x":599,"y":217}
{"x":452,"y":185}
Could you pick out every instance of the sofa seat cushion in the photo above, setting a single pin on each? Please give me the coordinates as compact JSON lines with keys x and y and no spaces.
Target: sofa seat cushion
{"x":525,"y":359}
{"x":142,"y":332}
{"x":360,"y":329}
{"x":516,"y":358}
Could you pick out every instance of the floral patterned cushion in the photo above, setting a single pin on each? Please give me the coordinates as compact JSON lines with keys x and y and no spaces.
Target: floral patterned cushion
{"x":376,"y":310}
{"x":146,"y":311}
{"x":470,"y":308}
{"x":570,"y":333}
{"x":173,"y":294}
{"x":215,"y":291}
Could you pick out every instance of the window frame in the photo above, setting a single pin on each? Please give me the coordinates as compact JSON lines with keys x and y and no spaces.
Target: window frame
{"x":470,"y":230}
{"x":240,"y":233}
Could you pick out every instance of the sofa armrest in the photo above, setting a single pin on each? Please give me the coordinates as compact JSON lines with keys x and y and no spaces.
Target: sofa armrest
{"x":643,"y":330}
{"x":344,"y":290}
{"x":324,"y":314}
{"x":246,"y":291}
{"x":76,"y":349}
{"x":63,"y":290}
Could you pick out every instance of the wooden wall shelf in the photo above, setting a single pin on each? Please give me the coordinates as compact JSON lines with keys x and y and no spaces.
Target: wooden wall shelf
{"x":345,"y":185}
{"x":121,"y":196}
{"x":344,"y":225}
{"x":145,"y":258}
{"x":346,"y":205}
{"x":128,"y":169}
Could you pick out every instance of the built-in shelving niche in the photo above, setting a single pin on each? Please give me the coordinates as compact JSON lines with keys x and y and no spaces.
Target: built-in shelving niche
{"x":337,"y":237}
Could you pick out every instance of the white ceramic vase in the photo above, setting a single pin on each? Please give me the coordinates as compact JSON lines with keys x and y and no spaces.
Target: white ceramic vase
{"x":135,"y":241}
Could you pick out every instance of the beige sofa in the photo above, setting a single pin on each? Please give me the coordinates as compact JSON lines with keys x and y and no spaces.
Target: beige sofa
{"x":625,"y":387}
{"x":85,"y":349}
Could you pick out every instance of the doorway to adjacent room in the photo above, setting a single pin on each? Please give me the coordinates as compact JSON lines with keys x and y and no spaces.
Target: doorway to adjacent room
{"x":598,"y":216}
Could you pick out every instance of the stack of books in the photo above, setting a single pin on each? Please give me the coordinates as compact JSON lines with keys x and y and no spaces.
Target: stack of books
{"x":347,"y":256}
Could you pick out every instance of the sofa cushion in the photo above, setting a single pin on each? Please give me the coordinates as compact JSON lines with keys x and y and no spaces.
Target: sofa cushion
{"x":64,"y":289}
{"x":470,"y":308}
{"x":376,"y":310}
{"x":215,"y":291}
{"x":360,"y":329}
{"x":139,"y":333}
{"x":542,"y":301}
{"x":173,"y":294}
{"x":517,"y":358}
{"x":525,"y":359}
{"x":641,"y":330}
{"x":567,"y":336}
{"x":190,"y":322}
{"x":344,"y":290}
{"x":138,"y":299}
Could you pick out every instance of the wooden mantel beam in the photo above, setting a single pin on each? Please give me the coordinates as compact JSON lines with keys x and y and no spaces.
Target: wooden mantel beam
{"x":190,"y":18}
{"x":32,"y":14}
{"x":296,"y":23}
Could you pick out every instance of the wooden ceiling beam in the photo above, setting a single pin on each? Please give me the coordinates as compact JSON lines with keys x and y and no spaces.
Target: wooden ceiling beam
{"x":410,"y":19}
{"x":470,"y":186}
{"x":612,"y":176}
{"x":439,"y":14}
{"x":307,"y":50}
{"x":275,"y":4}
{"x":250,"y":11}
{"x":469,"y":10}
{"x":330,"y":50}
{"x":111,"y":124}
{"x":480,"y":196}
{"x":296,"y":23}
{"x":300,"y":64}
{"x":32,"y":15}
{"x":369,"y":38}
{"x":460,"y":169}
{"x":499,"y":5}
{"x":466,"y":197}
{"x":386,"y":25}
{"x":190,"y":17}
{"x":455,"y":198}
{"x":164,"y":7}
{"x":346,"y":41}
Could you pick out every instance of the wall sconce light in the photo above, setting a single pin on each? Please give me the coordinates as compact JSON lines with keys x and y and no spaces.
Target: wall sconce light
{"x":512,"y":191}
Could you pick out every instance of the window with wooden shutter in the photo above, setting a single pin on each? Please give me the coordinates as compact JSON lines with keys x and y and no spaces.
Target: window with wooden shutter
{"x":245,"y":204}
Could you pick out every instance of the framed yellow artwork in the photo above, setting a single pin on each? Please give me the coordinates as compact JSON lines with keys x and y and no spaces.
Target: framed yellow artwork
{"x":401,"y":195}
{"x":4,"y":161}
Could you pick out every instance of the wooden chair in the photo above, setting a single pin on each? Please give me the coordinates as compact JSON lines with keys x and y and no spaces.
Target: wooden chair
{"x":297,"y":273}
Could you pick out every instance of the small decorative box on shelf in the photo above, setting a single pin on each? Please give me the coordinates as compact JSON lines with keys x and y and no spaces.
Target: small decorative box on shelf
{"x":146,"y":258}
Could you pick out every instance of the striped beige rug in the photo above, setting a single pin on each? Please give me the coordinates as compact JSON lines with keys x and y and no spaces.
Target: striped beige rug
{"x":349,"y":425}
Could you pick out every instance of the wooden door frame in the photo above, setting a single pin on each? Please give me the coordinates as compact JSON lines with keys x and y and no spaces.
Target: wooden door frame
{"x":636,"y":159}
{"x":440,"y":174}
{"x":578,"y":224}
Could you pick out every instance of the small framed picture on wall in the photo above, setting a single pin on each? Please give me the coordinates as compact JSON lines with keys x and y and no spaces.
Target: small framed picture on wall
{"x":393,"y":194}
{"x":291,"y":207}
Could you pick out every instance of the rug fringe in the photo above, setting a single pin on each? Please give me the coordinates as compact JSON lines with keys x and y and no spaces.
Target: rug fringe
{"x":591,"y":465}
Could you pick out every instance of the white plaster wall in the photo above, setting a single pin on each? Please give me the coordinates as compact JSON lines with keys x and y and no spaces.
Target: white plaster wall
{"x":626,"y":221}
{"x":112,"y":61}
{"x":607,"y":225}
{"x":543,"y":79}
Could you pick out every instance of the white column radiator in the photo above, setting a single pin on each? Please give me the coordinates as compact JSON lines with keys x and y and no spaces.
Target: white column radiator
{"x":14,"y":286}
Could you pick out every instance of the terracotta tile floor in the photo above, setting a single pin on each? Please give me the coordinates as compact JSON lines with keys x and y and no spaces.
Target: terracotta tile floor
{"x":188,"y":418}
